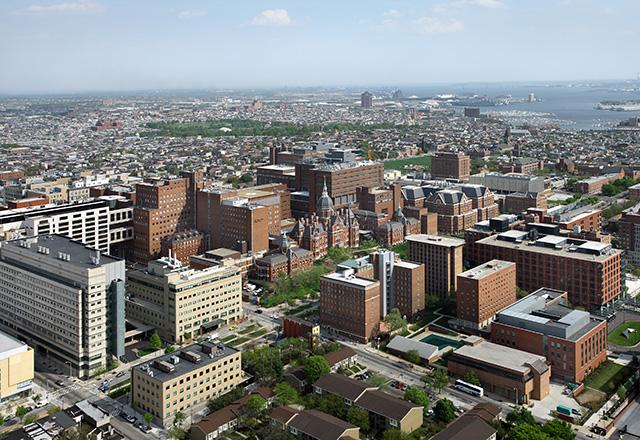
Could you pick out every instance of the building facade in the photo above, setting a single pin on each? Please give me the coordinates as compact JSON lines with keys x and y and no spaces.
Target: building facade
{"x":16,"y":367}
{"x":179,"y":301}
{"x":483,"y":291}
{"x":447,"y":165}
{"x":65,"y":299}
{"x":630,"y":234}
{"x":442,"y":259}
{"x":183,"y":381}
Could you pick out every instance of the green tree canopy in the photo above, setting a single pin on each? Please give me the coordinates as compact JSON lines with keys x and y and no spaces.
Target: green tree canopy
{"x":179,"y":419}
{"x":225,"y":400}
{"x":472,"y":378}
{"x":395,"y":320}
{"x":412,"y":356}
{"x":527,"y":432}
{"x":558,"y":430}
{"x":21,"y":411}
{"x":445,"y":410}
{"x":257,"y":407}
{"x":285,"y":394}
{"x":148,"y":418}
{"x":155,"y":342}
{"x":315,"y":367}
{"x":394,"y":434}
{"x":521,"y":416}
{"x":417,"y":396}
{"x":333,"y":404}
{"x":358,"y":417}
{"x":439,"y":380}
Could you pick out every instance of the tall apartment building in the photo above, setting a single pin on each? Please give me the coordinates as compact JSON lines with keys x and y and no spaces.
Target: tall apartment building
{"x":64,"y":299}
{"x":442,"y":259}
{"x":176,"y":299}
{"x":16,"y":367}
{"x":277,"y":173}
{"x":630,"y":234}
{"x":447,"y":165}
{"x":243,"y":219}
{"x":350,"y":305}
{"x":519,"y":202}
{"x":401,"y":283}
{"x":573,"y":341}
{"x":183,"y":381}
{"x":589,"y":271}
{"x":164,"y":207}
{"x":483,"y":291}
{"x":366,"y":100}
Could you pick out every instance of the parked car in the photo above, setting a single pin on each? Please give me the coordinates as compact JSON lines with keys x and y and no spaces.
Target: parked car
{"x":405,"y":387}
{"x":233,"y":327}
{"x":120,"y":374}
{"x":400,"y":385}
{"x":258,"y":311}
{"x":145,"y":428}
{"x":577,"y":411}
{"x":360,"y":376}
{"x":394,"y":384}
{"x":60,"y":382}
{"x":129,"y":418}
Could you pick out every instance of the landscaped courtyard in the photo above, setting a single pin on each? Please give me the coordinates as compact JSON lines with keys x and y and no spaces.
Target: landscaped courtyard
{"x":618,"y":337}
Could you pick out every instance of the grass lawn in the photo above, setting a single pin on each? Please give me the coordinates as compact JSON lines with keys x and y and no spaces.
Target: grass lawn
{"x":145,"y":352}
{"x":257,"y":333}
{"x":237,"y":342}
{"x":228,"y":338}
{"x":234,"y":436}
{"x":616,"y":336}
{"x":608,"y":377}
{"x":249,"y":329}
{"x":427,"y":319}
{"x":398,"y":164}
{"x":299,"y":309}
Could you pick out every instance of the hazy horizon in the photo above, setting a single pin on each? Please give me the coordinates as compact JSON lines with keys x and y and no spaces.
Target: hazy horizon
{"x":102,"y":46}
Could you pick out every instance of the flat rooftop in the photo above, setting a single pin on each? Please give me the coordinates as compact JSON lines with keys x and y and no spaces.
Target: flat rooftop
{"x":10,"y":346}
{"x":564,"y":251}
{"x":52,"y":246}
{"x":184,"y":366}
{"x":349,"y":279}
{"x":500,"y":356}
{"x":486,"y":269}
{"x":435,"y":240}
{"x":406,"y":264}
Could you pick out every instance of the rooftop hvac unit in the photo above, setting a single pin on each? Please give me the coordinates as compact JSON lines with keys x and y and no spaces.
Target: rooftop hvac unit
{"x":165,"y":366}
{"x":191,"y":357}
{"x":174,"y":360}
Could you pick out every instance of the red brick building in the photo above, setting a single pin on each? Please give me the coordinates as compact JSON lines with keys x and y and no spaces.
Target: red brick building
{"x":573,"y":341}
{"x":483,"y":291}
{"x":454,"y":209}
{"x":520,"y":202}
{"x":442,"y":259}
{"x":589,"y":271}
{"x":350,"y":305}
{"x":447,"y":165}
{"x":183,"y":245}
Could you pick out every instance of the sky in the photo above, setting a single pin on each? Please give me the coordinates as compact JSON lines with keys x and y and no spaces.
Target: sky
{"x":59,"y":46}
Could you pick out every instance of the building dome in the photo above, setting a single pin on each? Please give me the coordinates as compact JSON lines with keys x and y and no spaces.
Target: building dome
{"x":324,"y":203}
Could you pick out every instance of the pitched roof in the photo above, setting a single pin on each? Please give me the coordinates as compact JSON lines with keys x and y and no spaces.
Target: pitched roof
{"x":320,"y":425}
{"x":345,"y":386}
{"x":386,"y":405}
{"x":466,"y":428}
{"x":403,"y":345}
{"x":339,"y":355}
{"x":298,"y":374}
{"x":283,"y":414}
{"x":215,"y":420}
{"x":487,"y":411}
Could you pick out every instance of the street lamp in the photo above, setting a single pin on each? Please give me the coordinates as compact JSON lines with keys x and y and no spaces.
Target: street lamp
{"x":67,"y":362}
{"x":378,"y":341}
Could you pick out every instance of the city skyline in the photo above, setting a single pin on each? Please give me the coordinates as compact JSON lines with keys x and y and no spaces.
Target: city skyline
{"x":62,"y":46}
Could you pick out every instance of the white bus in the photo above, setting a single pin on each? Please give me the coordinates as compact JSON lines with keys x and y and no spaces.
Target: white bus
{"x":468,"y":388}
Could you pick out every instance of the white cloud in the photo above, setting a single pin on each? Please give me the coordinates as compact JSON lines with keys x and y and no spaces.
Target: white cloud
{"x":487,"y":3}
{"x":460,"y":4}
{"x":393,"y":13}
{"x":627,"y":33}
{"x":186,"y":15}
{"x":431,"y":25}
{"x":272,"y":17}
{"x":79,"y":7}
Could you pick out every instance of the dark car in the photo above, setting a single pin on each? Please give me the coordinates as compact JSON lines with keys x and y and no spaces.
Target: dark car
{"x":120,"y":374}
{"x":258,"y":311}
{"x":394,"y":384}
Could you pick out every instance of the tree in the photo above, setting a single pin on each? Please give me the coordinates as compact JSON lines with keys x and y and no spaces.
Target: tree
{"x":521,"y":416}
{"x":21,"y":411}
{"x":445,"y":410}
{"x":394,"y":434}
{"x":501,"y":431}
{"x":472,"y":378}
{"x":30,"y":419}
{"x":257,"y":407}
{"x":285,"y":394}
{"x":527,"y":432}
{"x":333,"y":404}
{"x":358,"y":417}
{"x":431,"y":301}
{"x":417,"y":396}
{"x":186,"y":336}
{"x":246,"y":178}
{"x":1,"y":420}
{"x":155,"y":342}
{"x":378,"y":381}
{"x":412,"y":356}
{"x":53,"y":410}
{"x":169,"y":349}
{"x":395,"y":320}
{"x":439,"y":380}
{"x":179,"y":419}
{"x":315,"y":367}
{"x":79,"y":432}
{"x":558,"y":429}
{"x":148,"y":418}
{"x":225,"y":400}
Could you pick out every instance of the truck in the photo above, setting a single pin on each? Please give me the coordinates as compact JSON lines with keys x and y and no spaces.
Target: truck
{"x":561,"y":409}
